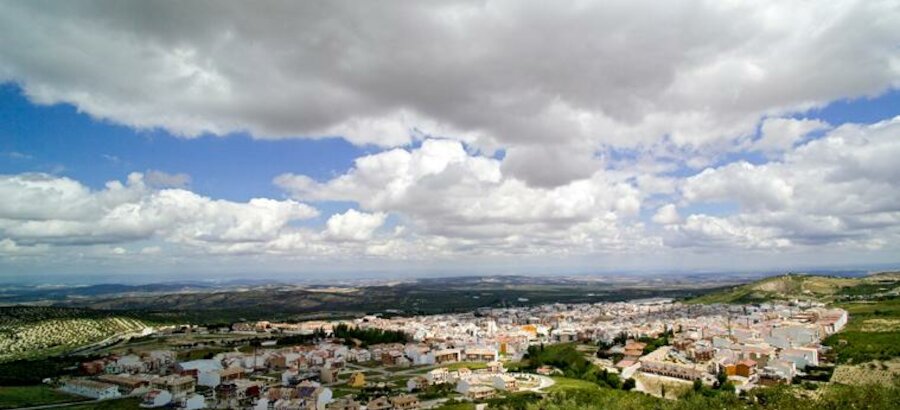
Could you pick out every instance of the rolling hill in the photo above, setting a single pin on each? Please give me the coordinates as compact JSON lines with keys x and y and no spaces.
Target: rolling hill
{"x":805,"y":287}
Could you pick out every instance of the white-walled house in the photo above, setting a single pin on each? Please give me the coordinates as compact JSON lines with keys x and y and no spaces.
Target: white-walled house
{"x":194,"y":402}
{"x":156,"y":398}
{"x":91,"y":388}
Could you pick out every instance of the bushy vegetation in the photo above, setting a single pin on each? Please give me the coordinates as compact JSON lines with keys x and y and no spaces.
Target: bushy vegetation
{"x":833,"y":397}
{"x":370,"y":336}
{"x":36,"y":395}
{"x":435,"y":391}
{"x":33,"y":371}
{"x":654,"y":343}
{"x":863,"y":339}
{"x":39,"y":331}
{"x":572,"y":363}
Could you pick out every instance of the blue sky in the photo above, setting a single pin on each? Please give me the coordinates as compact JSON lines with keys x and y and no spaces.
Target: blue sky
{"x":60,"y":140}
{"x":603,"y":143}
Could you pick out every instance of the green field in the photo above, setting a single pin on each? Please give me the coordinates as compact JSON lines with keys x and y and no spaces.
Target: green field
{"x":566,"y":384}
{"x":34,"y":332}
{"x":130,"y":403}
{"x":468,"y":365}
{"x":26,"y":396}
{"x":873,"y":332}
{"x":457,"y":406}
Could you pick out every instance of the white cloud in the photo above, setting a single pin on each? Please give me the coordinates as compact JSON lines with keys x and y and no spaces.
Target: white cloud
{"x":840,"y":189}
{"x":598,"y":110}
{"x":451,"y":202}
{"x":44,"y":209}
{"x":354,"y":225}
{"x":569,"y":78}
{"x":667,"y":215}
{"x":753,"y":186}
{"x":780,"y":134}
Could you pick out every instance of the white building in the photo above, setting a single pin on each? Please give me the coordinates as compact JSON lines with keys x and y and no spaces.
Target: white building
{"x":156,"y":398}
{"x":91,"y":388}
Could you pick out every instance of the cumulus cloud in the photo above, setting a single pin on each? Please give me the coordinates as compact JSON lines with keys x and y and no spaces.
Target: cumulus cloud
{"x":667,"y":215}
{"x":840,"y":189}
{"x":354,"y":225}
{"x":780,"y":134}
{"x":45,"y":209}
{"x":497,"y":75}
{"x":501,"y":127}
{"x":440,"y":190}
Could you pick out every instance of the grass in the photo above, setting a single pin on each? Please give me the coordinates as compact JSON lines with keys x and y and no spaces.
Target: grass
{"x":203,"y":353}
{"x":457,"y":406}
{"x":130,"y":403}
{"x":569,"y":385}
{"x":862,"y":340}
{"x":27,"y":396}
{"x":468,"y":365}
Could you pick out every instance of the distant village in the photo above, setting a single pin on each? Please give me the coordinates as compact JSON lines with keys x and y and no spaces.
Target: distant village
{"x":472,"y":356}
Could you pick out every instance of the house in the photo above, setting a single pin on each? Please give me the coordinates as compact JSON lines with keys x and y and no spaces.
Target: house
{"x":343,"y":403}
{"x":179,"y":386}
{"x":212,"y":378}
{"x":505,"y":383}
{"x":463,"y":373}
{"x":236,"y":394}
{"x":730,"y":369}
{"x":447,"y":356}
{"x":670,"y":369}
{"x":93,"y":367}
{"x":357,"y":379}
{"x":314,"y":393}
{"x":481,"y":354}
{"x":419,"y":354}
{"x":416,"y":383}
{"x":405,"y":402}
{"x":195,"y":367}
{"x":130,"y":364}
{"x":745,"y":368}
{"x":634,"y":349}
{"x":480,"y":392}
{"x":193,"y":402}
{"x":156,"y":398}
{"x":379,"y":403}
{"x":496,"y":367}
{"x":91,"y":388}
{"x":329,"y":374}
{"x":127,"y":384}
{"x":802,"y":356}
{"x":391,"y":357}
{"x":438,"y":376}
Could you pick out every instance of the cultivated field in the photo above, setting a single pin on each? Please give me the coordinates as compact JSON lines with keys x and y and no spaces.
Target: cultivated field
{"x":36,"y":332}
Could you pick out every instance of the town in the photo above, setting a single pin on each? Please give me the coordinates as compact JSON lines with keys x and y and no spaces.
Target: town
{"x":656,"y":346}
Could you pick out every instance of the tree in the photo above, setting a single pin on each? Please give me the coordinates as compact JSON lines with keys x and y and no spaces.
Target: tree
{"x":629,"y":384}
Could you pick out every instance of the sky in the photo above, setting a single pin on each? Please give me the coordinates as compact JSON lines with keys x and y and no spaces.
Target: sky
{"x":347,"y":140}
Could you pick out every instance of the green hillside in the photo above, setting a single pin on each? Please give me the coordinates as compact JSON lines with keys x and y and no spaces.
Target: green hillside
{"x":805,"y":287}
{"x":29,"y":332}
